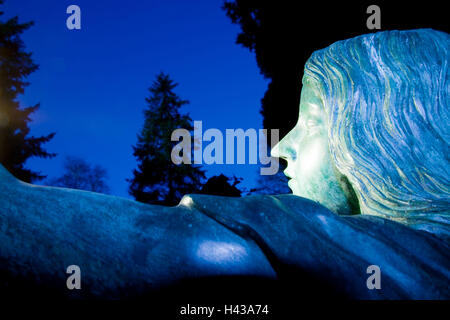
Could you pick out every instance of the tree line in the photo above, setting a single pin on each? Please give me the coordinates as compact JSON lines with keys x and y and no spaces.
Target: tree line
{"x":156,"y":179}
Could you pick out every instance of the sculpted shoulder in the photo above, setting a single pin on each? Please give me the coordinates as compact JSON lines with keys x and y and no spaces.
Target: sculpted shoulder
{"x":299,"y":234}
{"x":118,"y":243}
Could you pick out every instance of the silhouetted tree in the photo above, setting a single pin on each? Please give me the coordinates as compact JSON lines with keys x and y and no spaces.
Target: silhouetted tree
{"x":283,"y":34}
{"x":79,"y":174}
{"x":16,"y":145}
{"x":272,"y":184}
{"x":157,"y":179}
{"x":220,"y":186}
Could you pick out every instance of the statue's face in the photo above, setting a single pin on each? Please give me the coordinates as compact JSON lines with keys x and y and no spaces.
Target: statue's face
{"x":310,"y":168}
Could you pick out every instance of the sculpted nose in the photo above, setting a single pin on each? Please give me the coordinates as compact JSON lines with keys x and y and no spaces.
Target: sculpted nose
{"x":284,"y":149}
{"x":275,"y":152}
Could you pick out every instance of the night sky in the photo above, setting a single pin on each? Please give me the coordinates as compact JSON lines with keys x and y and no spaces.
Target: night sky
{"x":92,"y":82}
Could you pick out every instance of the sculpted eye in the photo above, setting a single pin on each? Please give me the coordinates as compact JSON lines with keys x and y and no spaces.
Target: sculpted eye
{"x":312,"y":123}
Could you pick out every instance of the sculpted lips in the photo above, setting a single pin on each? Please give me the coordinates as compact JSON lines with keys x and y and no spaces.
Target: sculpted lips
{"x":287,"y":173}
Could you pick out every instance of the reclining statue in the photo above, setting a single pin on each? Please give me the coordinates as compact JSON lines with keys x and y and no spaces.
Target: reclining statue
{"x":369,"y":168}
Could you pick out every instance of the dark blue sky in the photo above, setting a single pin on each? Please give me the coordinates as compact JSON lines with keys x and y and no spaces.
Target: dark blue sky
{"x":92,"y":82}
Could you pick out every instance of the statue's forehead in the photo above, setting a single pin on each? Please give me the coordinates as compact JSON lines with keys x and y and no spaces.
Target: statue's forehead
{"x":311,"y":100}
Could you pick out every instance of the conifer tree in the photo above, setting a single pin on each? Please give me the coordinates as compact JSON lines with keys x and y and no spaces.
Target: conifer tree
{"x":16,"y":144}
{"x":157,"y":180}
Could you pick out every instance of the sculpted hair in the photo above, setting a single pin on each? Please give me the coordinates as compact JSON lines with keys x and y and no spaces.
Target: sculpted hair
{"x":386,"y":96}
